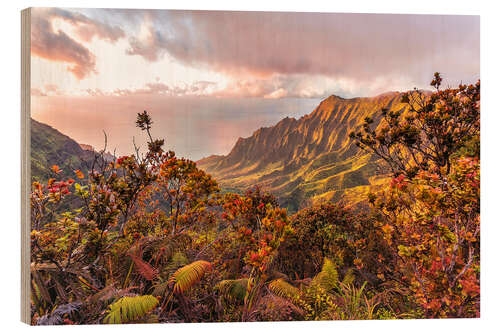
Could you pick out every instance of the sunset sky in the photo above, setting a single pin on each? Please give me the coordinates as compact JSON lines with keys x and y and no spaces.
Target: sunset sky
{"x":210,"y":77}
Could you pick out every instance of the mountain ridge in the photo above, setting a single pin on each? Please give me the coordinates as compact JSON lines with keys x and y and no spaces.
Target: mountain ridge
{"x":307,"y":158}
{"x":299,"y":160}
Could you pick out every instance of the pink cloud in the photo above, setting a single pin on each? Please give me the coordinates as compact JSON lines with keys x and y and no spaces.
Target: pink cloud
{"x":352,"y":46}
{"x":47,"y":90}
{"x":86,"y":28}
{"x":58,"y":46}
{"x":198,"y":88}
{"x":279,"y":93}
{"x":149,"y":47}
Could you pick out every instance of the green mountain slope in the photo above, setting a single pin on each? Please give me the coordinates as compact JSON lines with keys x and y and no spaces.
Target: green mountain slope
{"x":50,"y":147}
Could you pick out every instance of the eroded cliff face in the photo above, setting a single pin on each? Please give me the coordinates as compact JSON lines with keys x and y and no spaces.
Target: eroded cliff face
{"x":309,"y":158}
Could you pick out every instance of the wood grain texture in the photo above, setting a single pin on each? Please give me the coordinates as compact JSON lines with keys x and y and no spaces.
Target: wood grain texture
{"x":25,"y":164}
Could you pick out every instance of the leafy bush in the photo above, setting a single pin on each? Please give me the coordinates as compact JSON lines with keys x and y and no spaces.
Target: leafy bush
{"x":154,"y":240}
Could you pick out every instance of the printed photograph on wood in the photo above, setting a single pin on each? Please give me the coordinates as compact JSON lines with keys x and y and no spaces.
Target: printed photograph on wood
{"x":218,"y":166}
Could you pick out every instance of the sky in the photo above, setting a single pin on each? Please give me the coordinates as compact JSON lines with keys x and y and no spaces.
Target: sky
{"x":210,"y":77}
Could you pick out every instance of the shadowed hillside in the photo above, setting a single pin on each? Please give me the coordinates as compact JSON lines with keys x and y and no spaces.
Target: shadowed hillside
{"x":309,"y":158}
{"x":50,"y":147}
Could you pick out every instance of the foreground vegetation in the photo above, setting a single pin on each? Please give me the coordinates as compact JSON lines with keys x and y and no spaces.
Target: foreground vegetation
{"x":154,"y":240}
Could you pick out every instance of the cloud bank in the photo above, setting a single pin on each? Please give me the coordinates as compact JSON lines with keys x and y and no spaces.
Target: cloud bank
{"x":269,"y":54}
{"x":361,"y":47}
{"x":57,"y":45}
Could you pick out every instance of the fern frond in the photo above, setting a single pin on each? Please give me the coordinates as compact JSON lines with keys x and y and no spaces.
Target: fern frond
{"x":328,"y":278}
{"x":187,"y":276}
{"x":283,"y":289}
{"x":143,"y":268}
{"x":233,"y":289}
{"x":128,"y":309}
{"x":356,"y":304}
{"x":348,"y":277}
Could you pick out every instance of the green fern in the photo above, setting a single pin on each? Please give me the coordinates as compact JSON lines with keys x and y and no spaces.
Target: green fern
{"x":178,"y":259}
{"x":328,"y":278}
{"x":348,"y":277}
{"x":356,"y":305}
{"x":233,"y":289}
{"x":283,"y":289}
{"x":187,"y":276}
{"x":129,"y":309}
